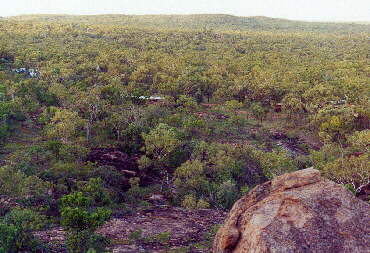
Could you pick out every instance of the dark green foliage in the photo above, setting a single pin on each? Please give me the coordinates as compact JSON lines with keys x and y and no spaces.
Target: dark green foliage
{"x":80,"y":216}
{"x":9,"y":114}
{"x":136,"y":194}
{"x":16,"y":231}
{"x":78,"y":219}
{"x":8,"y":237}
{"x":95,"y":190}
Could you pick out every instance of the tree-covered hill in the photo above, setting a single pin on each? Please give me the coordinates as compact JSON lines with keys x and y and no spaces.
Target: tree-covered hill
{"x":202,"y":21}
{"x":115,"y":115}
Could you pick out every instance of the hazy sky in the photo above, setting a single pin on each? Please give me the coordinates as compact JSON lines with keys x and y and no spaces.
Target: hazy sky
{"x":325,"y":10}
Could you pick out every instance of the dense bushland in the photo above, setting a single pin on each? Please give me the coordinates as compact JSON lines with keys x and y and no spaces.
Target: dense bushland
{"x":218,"y":83}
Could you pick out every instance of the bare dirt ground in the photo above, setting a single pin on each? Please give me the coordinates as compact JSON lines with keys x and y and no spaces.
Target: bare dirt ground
{"x":158,"y":229}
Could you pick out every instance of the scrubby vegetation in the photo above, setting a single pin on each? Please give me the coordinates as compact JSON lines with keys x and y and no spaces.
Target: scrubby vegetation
{"x":119,"y":108}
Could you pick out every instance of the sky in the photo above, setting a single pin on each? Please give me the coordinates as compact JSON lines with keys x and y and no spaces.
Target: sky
{"x":311,"y":10}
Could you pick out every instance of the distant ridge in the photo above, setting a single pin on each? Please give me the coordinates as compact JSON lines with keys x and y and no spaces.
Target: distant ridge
{"x":202,"y":21}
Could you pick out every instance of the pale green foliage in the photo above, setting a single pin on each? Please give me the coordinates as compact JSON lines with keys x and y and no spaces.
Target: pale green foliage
{"x":16,"y":231}
{"x":192,"y":185}
{"x":318,"y":96}
{"x":217,"y":174}
{"x":80,"y":218}
{"x":202,"y":204}
{"x":353,"y":170}
{"x":355,"y":90}
{"x":328,"y":153}
{"x":276,"y":163}
{"x":336,"y":122}
{"x":191,"y":202}
{"x":360,"y":140}
{"x":64,"y":125}
{"x":95,"y":190}
{"x":60,"y":91}
{"x":93,"y":72}
{"x":26,"y":219}
{"x":345,"y":164}
{"x":160,"y":142}
{"x":292,"y":104}
{"x":123,"y":120}
{"x":332,"y":129}
{"x":190,"y":177}
{"x":258,"y":111}
{"x":233,"y":105}
{"x":186,"y":103}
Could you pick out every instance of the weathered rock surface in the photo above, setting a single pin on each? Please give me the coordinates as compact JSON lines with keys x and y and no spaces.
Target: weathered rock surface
{"x":114,"y":157}
{"x":296,"y":212}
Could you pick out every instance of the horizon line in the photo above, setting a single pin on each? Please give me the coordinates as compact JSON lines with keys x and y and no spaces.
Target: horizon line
{"x":188,"y":14}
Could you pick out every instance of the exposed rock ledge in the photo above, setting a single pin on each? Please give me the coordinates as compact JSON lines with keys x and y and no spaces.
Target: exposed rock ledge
{"x":296,"y":212}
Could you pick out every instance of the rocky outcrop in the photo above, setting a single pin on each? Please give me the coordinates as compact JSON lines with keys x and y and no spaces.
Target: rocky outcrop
{"x":296,"y":212}
{"x":114,"y":157}
{"x":364,"y":192}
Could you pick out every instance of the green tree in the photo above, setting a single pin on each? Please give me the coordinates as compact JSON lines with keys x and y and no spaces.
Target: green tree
{"x":65,"y":125}
{"x":233,"y":106}
{"x":80,"y":218}
{"x":259,"y":111}
{"x":160,"y":143}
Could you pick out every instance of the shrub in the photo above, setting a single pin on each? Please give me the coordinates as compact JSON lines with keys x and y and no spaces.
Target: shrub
{"x":136,"y":235}
{"x":26,"y":219}
{"x":349,"y":170}
{"x":189,"y":202}
{"x":76,"y":199}
{"x":16,"y":231}
{"x":190,"y":179}
{"x":135,"y":195}
{"x":80,"y":218}
{"x":227,"y":194}
{"x":194,"y":126}
{"x":219,"y":174}
{"x":95,"y":190}
{"x":31,"y":159}
{"x":186,"y":104}
{"x":84,"y":241}
{"x":276,"y":163}
{"x":16,"y":184}
{"x":259,"y":111}
{"x":202,"y":204}
{"x":113,"y":179}
{"x":8,"y":235}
